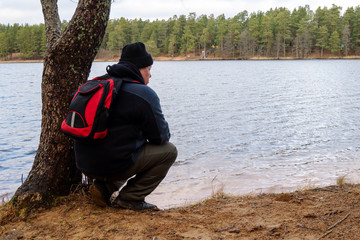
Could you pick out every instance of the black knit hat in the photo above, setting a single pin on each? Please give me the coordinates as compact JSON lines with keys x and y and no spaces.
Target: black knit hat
{"x":136,"y":53}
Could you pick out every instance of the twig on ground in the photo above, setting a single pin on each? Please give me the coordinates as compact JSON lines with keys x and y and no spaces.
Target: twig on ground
{"x":338,"y":221}
{"x":331,"y":227}
{"x":327,"y":233}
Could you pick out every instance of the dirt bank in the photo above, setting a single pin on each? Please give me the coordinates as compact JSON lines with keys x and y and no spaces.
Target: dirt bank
{"x":322,"y":213}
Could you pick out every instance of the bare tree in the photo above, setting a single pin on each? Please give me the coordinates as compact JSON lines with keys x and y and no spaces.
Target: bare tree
{"x":278,"y":45}
{"x":229,"y":47}
{"x":67,"y":63}
{"x":246,"y":44}
{"x":305,"y":43}
{"x":296,"y":47}
{"x":302,"y":44}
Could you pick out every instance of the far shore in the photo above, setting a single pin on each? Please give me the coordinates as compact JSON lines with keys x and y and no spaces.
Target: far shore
{"x":183,"y":58}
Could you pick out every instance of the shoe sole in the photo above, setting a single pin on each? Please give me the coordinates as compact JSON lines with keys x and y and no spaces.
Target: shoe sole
{"x":125,"y":205}
{"x":97,"y":196}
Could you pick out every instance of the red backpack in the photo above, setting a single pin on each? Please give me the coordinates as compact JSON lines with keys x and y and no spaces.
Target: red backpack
{"x":88,"y":112}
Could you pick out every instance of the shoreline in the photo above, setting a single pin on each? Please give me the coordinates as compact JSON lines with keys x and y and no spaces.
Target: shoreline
{"x":183,"y":58}
{"x":303,"y":214}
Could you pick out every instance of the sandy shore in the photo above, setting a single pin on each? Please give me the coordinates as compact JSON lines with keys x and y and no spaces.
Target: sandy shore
{"x":321,"y":213}
{"x":183,"y":58}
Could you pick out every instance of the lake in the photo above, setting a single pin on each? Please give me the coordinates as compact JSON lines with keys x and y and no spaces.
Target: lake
{"x":239,"y":126}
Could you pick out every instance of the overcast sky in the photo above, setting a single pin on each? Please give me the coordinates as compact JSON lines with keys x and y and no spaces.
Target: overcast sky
{"x":29,"y":11}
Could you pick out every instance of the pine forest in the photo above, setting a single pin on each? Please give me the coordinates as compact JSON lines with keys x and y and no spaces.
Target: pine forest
{"x":277,"y":33}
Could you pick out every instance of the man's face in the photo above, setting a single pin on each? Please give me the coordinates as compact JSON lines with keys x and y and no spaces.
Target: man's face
{"x":145,"y":73}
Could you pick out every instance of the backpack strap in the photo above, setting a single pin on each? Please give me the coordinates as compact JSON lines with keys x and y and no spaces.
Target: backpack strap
{"x":117,"y":81}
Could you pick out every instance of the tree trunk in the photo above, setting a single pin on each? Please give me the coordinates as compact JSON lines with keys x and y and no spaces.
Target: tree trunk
{"x":322,"y":50}
{"x":284,"y":47}
{"x":278,"y":45}
{"x":67,"y":64}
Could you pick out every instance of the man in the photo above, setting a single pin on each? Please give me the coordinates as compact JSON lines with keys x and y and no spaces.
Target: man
{"x":137,"y":147}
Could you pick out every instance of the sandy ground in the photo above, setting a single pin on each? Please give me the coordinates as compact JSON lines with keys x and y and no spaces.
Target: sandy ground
{"x":322,"y":213}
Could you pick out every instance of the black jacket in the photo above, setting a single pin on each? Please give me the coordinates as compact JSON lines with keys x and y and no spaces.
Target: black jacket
{"x":136,"y":118}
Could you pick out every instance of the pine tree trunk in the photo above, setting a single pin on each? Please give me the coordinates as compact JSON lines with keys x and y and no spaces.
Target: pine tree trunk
{"x":322,"y":50}
{"x":67,"y":64}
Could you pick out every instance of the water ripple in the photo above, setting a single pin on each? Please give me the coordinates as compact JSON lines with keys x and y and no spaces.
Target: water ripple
{"x":263,"y":124}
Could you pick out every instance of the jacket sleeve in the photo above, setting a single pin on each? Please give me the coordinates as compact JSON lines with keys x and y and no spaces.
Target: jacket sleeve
{"x":154,"y":125}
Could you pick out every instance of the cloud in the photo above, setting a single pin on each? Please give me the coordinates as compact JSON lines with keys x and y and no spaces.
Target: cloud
{"x":29,"y":11}
{"x":164,"y":9}
{"x":160,"y":9}
{"x":21,"y":16}
{"x":19,"y":11}
{"x":147,"y":9}
{"x":20,"y":4}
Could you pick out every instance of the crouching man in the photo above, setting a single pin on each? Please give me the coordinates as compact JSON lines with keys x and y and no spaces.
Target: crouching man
{"x":136,"y":150}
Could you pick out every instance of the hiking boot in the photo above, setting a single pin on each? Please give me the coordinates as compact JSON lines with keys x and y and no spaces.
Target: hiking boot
{"x":100,"y":194}
{"x":134,"y":205}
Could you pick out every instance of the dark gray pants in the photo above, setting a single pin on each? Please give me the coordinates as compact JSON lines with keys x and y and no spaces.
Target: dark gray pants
{"x":147,"y":172}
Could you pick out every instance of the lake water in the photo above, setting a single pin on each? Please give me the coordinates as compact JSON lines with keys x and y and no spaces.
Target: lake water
{"x":239,"y":126}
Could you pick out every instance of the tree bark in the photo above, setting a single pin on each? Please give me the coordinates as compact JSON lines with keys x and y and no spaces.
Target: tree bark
{"x":67,"y":64}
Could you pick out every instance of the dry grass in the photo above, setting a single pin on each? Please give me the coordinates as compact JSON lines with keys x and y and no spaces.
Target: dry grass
{"x":217,"y":191}
{"x":340,"y":181}
{"x":8,"y":213}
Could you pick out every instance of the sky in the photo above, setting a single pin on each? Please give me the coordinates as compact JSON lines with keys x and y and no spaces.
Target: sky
{"x":29,"y":11}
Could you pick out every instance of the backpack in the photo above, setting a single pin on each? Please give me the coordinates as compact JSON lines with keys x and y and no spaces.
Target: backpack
{"x":89,"y":109}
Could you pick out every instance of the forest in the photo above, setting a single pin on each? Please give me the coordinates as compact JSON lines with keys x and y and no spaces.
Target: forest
{"x":275,"y":33}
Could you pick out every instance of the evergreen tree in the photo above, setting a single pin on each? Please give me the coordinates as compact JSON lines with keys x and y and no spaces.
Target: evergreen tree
{"x":163,"y":33}
{"x":152,"y":48}
{"x":177,"y":32}
{"x":221,"y":30}
{"x":188,"y":40}
{"x":146,"y":32}
{"x":204,"y":39}
{"x":322,"y":40}
{"x":334,"y":42}
{"x":356,"y":31}
{"x":211,"y":32}
{"x":303,"y":39}
{"x":269,"y":31}
{"x":255,"y":30}
{"x":333,"y":18}
{"x":24,"y":42}
{"x":135,"y":29}
{"x":200,"y":25}
{"x":282,"y":20}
